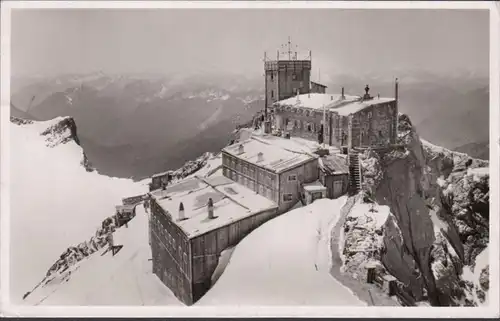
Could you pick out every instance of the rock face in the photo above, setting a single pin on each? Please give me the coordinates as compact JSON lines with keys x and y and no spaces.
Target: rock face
{"x":438,"y":221}
{"x":59,"y":133}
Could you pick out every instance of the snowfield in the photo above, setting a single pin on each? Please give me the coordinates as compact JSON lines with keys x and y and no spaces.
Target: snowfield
{"x":55,"y":203}
{"x":123,"y":279}
{"x":286,"y":261}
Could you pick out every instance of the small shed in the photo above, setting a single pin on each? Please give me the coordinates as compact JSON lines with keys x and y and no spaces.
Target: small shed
{"x":159,"y":180}
{"x":314,"y":191}
{"x":334,"y":175}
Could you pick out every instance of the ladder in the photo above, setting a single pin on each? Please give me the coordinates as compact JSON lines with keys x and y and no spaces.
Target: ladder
{"x":355,"y":176}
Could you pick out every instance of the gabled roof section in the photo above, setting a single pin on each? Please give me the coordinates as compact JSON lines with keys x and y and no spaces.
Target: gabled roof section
{"x":268,"y":155}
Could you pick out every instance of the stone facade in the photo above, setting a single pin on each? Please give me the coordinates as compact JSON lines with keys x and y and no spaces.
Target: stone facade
{"x":284,"y":78}
{"x":374,"y":126}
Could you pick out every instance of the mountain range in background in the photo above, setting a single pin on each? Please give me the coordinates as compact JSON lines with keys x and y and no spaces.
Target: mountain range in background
{"x":137,"y":125}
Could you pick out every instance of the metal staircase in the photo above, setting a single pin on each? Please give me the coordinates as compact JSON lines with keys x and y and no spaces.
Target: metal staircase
{"x":355,"y":176}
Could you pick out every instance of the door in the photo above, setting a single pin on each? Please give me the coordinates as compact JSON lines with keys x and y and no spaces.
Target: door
{"x":337,"y":189}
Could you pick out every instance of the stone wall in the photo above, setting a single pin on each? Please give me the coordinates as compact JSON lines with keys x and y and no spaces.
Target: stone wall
{"x":374,"y":126}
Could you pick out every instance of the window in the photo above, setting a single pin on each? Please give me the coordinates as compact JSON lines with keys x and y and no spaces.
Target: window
{"x":180,"y":250}
{"x":287,"y":197}
{"x":309,"y":128}
{"x":272,"y":93}
{"x":272,"y":76}
{"x":294,"y":76}
{"x":292,"y":178}
{"x":173,"y":242}
{"x":185,"y":257}
{"x":224,"y":171}
{"x":369,"y":114}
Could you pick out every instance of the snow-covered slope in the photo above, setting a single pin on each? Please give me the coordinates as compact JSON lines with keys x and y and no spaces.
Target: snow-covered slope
{"x":55,"y":201}
{"x":123,"y":279}
{"x":286,"y":261}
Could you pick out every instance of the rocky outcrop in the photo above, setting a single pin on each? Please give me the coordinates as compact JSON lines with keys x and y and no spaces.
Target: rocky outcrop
{"x":20,"y":121}
{"x":61,"y":132}
{"x":75,"y":254}
{"x":438,"y":222}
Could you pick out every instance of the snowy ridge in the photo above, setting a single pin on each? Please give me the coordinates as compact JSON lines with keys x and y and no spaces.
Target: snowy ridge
{"x":54,"y":200}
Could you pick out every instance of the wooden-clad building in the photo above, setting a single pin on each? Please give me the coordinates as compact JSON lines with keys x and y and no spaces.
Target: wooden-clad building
{"x":334,"y":175}
{"x":267,"y":166}
{"x":187,"y":240}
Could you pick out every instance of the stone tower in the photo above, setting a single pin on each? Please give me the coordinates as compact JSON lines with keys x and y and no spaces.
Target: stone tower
{"x":286,"y":76}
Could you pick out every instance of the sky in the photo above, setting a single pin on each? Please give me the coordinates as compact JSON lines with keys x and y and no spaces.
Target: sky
{"x":56,"y":41}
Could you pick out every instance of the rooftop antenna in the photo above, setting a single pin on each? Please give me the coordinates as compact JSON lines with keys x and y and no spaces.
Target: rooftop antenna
{"x":288,"y":48}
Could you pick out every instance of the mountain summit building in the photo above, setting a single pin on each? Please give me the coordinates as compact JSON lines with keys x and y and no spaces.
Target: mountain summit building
{"x":298,"y":158}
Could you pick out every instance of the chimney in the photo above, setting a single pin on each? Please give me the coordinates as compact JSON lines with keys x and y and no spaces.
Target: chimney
{"x":260,"y":157}
{"x":181,"y":212}
{"x":378,"y":96}
{"x":241,"y":150}
{"x":343,"y":96}
{"x":331,"y":97}
{"x":210,"y":206}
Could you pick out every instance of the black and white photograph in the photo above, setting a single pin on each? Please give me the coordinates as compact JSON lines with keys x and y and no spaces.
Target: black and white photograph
{"x":249,"y":155}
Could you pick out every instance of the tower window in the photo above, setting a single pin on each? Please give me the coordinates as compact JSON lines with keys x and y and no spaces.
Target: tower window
{"x":294,"y":76}
{"x":272,"y":76}
{"x":272,"y":93}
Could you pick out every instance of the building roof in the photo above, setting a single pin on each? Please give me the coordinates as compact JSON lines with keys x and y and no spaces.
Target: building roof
{"x":318,"y":84}
{"x":333,"y":164}
{"x":125,"y":207}
{"x":314,"y":187}
{"x":332,"y":102}
{"x":232,"y":202}
{"x":274,"y":157}
{"x":161,"y":174}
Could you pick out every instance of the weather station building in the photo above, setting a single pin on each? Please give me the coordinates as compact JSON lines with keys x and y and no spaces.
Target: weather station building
{"x":300,"y":107}
{"x":193,"y":221}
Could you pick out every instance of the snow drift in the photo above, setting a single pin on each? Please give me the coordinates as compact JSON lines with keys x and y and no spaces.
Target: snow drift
{"x":286,"y":261}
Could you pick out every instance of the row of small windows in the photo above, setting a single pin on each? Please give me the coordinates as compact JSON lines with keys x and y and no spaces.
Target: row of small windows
{"x":295,"y":76}
{"x":248,"y":170}
{"x":304,"y":125}
{"x":170,"y":240}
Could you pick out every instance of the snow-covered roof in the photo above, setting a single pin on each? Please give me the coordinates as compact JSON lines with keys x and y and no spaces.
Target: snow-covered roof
{"x":161,"y":174}
{"x":232,"y":202}
{"x":314,"y":187}
{"x":275,"y":156}
{"x":333,"y":164}
{"x":333,"y":102}
{"x":125,"y":207}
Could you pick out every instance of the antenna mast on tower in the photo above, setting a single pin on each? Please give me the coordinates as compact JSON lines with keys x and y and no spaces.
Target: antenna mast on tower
{"x":288,"y":49}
